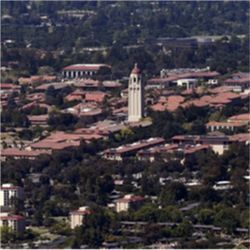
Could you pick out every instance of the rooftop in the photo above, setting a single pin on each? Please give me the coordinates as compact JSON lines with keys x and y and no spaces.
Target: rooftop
{"x":84,"y":67}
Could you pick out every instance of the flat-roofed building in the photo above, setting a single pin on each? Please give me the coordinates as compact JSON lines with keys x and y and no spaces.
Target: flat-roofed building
{"x":77,"y":216}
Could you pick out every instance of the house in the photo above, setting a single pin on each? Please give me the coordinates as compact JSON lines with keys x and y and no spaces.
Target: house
{"x":15,"y":222}
{"x":77,"y":216}
{"x":127,"y":202}
{"x":7,"y":192}
{"x":83,"y":70}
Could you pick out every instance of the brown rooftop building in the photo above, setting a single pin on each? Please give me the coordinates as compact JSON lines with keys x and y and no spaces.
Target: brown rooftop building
{"x":129,"y":150}
{"x":15,"y":153}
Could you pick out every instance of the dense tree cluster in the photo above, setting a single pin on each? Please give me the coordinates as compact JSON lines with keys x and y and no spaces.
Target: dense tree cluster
{"x":118,"y":25}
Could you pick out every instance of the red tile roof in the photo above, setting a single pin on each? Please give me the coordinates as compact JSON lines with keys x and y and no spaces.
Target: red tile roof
{"x":12,"y":217}
{"x":170,"y":103}
{"x":9,"y":86}
{"x":240,"y":118}
{"x":135,"y":70}
{"x":135,"y":146}
{"x":132,"y":198}
{"x":220,"y":89}
{"x":80,"y":212}
{"x":239,"y":78}
{"x":86,"y":67}
{"x":95,"y":96}
{"x":243,"y":137}
{"x":9,"y":187}
{"x":50,"y":145}
{"x":21,"y":153}
{"x":111,"y":84}
{"x":38,"y":118}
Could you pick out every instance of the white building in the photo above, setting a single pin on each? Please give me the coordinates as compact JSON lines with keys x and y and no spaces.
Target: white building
{"x":77,"y":216}
{"x":14,"y":222}
{"x":187,"y":82}
{"x":127,"y":202}
{"x":135,"y":96}
{"x":8,"y":192}
{"x":222,"y":185}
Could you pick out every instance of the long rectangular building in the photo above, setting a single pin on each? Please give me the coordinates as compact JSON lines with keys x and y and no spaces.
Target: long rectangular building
{"x":83,"y":70}
{"x":128,"y":150}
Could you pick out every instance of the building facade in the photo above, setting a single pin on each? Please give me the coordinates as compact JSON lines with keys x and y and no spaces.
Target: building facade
{"x":8,"y":192}
{"x":127,"y":202}
{"x":14,"y":222}
{"x":77,"y":216}
{"x":135,"y":96}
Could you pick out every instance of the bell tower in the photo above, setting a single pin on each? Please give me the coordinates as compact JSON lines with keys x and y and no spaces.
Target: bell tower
{"x":135,"y":96}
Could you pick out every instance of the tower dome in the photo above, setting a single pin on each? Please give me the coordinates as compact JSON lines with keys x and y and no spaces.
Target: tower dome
{"x":136,"y":70}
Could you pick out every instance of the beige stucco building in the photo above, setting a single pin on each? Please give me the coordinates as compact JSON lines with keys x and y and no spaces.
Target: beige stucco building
{"x":77,"y":216}
{"x":127,"y":202}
